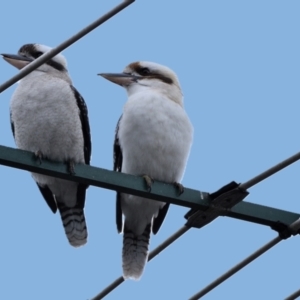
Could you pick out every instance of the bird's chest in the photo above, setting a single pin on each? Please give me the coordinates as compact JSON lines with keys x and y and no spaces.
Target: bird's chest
{"x":150,"y":135}
{"x":147,"y":128}
{"x":44,"y":122}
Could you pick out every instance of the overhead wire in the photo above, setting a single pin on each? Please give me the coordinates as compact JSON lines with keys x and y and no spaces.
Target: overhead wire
{"x":246,"y":185}
{"x":48,"y":55}
{"x":294,"y":229}
{"x":236,"y":268}
{"x":271,"y":171}
{"x":293,"y":296}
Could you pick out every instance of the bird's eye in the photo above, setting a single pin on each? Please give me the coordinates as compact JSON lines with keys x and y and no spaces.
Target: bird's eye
{"x":144,"y":71}
{"x":38,"y":54}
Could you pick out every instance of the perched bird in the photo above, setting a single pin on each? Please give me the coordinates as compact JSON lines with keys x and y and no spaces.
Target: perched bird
{"x":153,"y":139}
{"x":50,"y":118}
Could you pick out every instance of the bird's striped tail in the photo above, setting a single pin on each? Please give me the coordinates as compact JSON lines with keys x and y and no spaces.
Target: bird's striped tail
{"x":135,"y":253}
{"x":74,"y":223}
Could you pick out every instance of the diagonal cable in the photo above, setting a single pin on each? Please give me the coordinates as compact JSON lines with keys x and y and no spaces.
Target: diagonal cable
{"x":246,"y":185}
{"x":293,"y":296}
{"x":237,"y":268}
{"x":48,"y":55}
{"x":264,"y":175}
{"x":152,"y":254}
{"x":294,"y":229}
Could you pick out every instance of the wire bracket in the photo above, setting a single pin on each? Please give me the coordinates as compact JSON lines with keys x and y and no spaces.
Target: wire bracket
{"x":224,"y":198}
{"x":286,"y":231}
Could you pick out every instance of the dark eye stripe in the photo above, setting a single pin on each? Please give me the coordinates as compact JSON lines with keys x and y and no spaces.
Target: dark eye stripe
{"x":55,"y":65}
{"x":142,"y":71}
{"x":163,"y":78}
{"x":145,"y":72}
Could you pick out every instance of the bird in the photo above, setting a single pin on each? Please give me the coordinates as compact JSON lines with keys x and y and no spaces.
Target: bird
{"x":153,"y":138}
{"x":49,"y":117}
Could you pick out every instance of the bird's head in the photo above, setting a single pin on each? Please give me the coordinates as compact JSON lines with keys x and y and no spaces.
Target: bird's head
{"x":145,"y":76}
{"x":30,"y":52}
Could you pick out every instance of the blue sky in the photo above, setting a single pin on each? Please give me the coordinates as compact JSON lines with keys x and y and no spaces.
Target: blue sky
{"x":239,"y":68}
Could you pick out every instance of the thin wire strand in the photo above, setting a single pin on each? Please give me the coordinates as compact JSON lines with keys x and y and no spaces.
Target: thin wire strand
{"x":48,"y":55}
{"x":250,"y":183}
{"x":109,"y":288}
{"x":168,"y":242}
{"x":293,"y":296}
{"x":152,"y":254}
{"x":246,"y":185}
{"x":237,"y":268}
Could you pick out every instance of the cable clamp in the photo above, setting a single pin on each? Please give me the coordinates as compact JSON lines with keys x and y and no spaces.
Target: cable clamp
{"x":225,"y":198}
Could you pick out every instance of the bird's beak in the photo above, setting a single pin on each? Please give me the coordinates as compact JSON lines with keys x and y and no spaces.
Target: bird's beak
{"x":18,"y":61}
{"x":120,"y":78}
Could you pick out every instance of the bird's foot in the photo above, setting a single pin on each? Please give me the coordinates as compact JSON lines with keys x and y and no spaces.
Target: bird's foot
{"x":39,"y":156}
{"x":179,"y":187}
{"x":71,"y":167}
{"x":148,"y":181}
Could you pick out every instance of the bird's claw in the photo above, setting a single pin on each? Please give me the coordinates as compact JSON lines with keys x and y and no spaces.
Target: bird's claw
{"x":148,"y":181}
{"x":39,"y":156}
{"x":179,"y":187}
{"x":71,"y":167}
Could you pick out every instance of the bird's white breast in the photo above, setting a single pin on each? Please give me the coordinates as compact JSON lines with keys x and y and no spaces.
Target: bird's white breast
{"x":46,"y":118}
{"x":155,"y":136}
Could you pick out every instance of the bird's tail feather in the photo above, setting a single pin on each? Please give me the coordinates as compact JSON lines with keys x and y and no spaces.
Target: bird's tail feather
{"x":135,"y":253}
{"x":74,"y":223}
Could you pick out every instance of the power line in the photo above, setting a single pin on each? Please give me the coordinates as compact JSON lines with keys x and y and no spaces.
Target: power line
{"x":168,"y":242}
{"x":203,"y":202}
{"x":270,"y":171}
{"x":293,"y":296}
{"x":160,"y":191}
{"x":48,"y":55}
{"x":237,"y":268}
{"x":293,"y":228}
{"x":230,"y":195}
